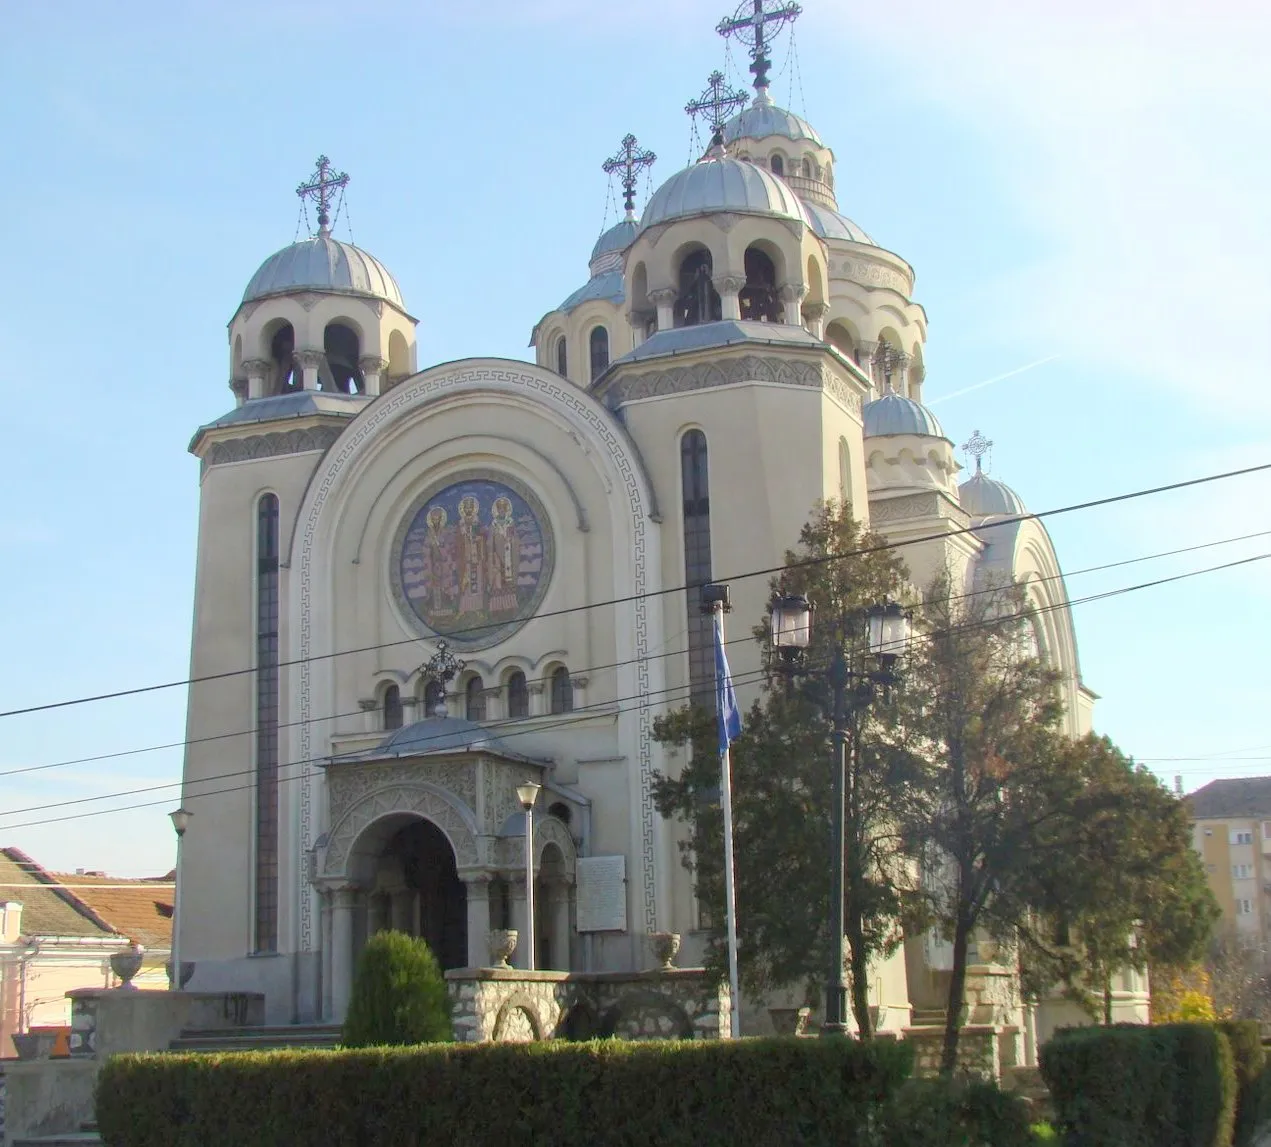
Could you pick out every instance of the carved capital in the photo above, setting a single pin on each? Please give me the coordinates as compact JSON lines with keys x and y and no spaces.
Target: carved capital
{"x":816,"y":311}
{"x":310,"y":359}
{"x":578,"y":682}
{"x":256,"y":367}
{"x":372,"y":364}
{"x":728,"y":284}
{"x":367,"y":704}
{"x":663,"y":296}
{"x":790,"y":292}
{"x":239,"y":387}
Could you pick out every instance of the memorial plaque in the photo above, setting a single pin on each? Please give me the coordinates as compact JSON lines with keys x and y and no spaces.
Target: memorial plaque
{"x":602,"y":893}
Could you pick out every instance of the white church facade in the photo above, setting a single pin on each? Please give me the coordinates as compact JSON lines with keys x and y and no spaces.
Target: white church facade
{"x":541,"y":518}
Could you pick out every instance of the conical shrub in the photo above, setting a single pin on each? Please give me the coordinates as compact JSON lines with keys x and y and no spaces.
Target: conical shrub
{"x":399,"y":995}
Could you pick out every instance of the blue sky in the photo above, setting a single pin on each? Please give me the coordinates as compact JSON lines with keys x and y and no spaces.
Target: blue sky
{"x":1082,"y":184}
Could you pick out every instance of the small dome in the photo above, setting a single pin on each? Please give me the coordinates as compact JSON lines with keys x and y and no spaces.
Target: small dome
{"x":764,"y":119}
{"x":896,"y":414}
{"x":606,"y":286}
{"x":324,"y":264}
{"x":830,"y":224}
{"x":723,"y":185}
{"x":981,"y":496}
{"x":616,"y":240}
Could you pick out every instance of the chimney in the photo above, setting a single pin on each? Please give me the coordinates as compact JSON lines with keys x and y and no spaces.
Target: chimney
{"x":1178,"y":784}
{"x":10,"y":921}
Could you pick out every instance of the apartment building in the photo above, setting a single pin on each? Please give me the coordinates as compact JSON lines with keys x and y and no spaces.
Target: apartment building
{"x":1231,"y":829}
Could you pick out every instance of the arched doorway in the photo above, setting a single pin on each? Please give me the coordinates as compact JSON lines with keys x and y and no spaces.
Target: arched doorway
{"x":416,"y":889}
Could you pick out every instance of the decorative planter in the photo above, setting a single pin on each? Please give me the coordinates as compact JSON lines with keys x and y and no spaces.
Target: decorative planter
{"x":39,"y":1043}
{"x":127,"y":964}
{"x":187,"y":970}
{"x":789,"y":1021}
{"x":666,"y":946}
{"x":502,"y":945}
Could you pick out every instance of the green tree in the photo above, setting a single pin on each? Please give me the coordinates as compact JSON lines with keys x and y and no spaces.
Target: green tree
{"x":782,"y":781}
{"x":399,"y":995}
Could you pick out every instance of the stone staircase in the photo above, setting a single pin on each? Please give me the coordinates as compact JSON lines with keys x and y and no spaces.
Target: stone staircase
{"x":258,"y":1038}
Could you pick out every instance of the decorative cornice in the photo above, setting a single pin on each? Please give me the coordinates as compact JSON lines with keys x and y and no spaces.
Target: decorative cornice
{"x":311,"y":439}
{"x":928,"y":504}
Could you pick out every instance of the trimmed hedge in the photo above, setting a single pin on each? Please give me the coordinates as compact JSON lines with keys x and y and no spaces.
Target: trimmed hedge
{"x":1170,"y":1085}
{"x":819,"y":1093}
{"x":955,"y":1113}
{"x":399,"y":995}
{"x":1245,"y":1037}
{"x":1255,"y":1108}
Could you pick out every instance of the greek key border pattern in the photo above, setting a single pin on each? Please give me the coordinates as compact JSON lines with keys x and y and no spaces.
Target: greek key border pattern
{"x":403,"y":398}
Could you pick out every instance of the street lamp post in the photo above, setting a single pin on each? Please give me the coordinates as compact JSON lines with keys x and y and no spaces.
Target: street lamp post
{"x":853,"y":690}
{"x":527,"y":794}
{"x":180,"y":818}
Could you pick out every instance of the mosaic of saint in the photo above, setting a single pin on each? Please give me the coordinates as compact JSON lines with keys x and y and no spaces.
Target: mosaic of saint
{"x":474,"y":559}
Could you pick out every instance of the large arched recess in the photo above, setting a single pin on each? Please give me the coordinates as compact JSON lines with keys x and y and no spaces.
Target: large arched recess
{"x":326,"y":534}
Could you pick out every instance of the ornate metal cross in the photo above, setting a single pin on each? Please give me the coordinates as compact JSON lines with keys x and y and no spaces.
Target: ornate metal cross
{"x":321,"y":188}
{"x":630,"y":160}
{"x":718,"y":101}
{"x":977,"y":446}
{"x":442,"y":667}
{"x":755,"y":24}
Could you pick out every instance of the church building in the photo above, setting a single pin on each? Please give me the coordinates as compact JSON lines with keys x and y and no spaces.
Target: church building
{"x":455,"y":579}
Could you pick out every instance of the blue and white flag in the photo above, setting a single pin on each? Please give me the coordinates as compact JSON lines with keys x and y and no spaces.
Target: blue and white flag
{"x":725,"y":698}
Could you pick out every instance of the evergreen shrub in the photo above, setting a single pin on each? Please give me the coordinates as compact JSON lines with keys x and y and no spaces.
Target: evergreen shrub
{"x":943,"y":1112}
{"x":399,"y":995}
{"x":1245,"y":1037}
{"x":1255,"y":1109}
{"x":1169,"y":1085}
{"x":610,"y":1093}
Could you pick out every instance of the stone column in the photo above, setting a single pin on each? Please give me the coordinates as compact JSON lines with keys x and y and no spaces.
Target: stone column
{"x":791,"y":295}
{"x":729,"y":288}
{"x":664,"y":300}
{"x":370,"y":713}
{"x":257,"y":370}
{"x":309,"y":361}
{"x":866,"y":351}
{"x":815,"y":314}
{"x":343,"y":905}
{"x":478,"y":890}
{"x":403,"y":903}
{"x":558,"y":922}
{"x":520,"y":919}
{"x":372,"y":368}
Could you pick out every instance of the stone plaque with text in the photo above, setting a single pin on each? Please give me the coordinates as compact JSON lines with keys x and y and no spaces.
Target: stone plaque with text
{"x":602,"y":893}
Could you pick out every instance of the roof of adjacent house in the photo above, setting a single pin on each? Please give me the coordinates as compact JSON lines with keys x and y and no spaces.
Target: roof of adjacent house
{"x":64,"y":904}
{"x":1237,"y":797}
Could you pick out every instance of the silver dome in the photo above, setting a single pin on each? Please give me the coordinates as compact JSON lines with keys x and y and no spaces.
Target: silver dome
{"x":616,"y":240}
{"x":324,"y":264}
{"x":896,"y":414}
{"x":761,"y":120}
{"x":982,"y":496}
{"x":723,"y":185}
{"x":830,"y":224}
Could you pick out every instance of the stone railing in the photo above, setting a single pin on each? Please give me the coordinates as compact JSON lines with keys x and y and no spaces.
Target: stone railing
{"x":510,"y":1005}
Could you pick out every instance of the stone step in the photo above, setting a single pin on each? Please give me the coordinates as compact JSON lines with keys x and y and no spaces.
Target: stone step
{"x":66,"y":1139}
{"x":258,"y":1038}
{"x":927,"y":1018}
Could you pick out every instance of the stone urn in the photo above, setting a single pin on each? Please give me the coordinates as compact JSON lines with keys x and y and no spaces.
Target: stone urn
{"x":666,"y":946}
{"x":126,"y":964}
{"x":38,"y":1043}
{"x":502,"y":945}
{"x":187,"y":970}
{"x":789,"y":1021}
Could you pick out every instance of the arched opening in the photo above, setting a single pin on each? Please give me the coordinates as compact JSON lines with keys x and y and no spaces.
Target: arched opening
{"x":829,"y":174}
{"x":434,"y":699}
{"x":562,"y":357}
{"x":474,"y":699}
{"x":759,"y":302}
{"x":807,"y":168}
{"x":392,"y":708}
{"x":340,"y":372}
{"x":697,"y":301}
{"x":814,"y":303}
{"x":644,"y":315}
{"x":236,"y":358}
{"x":778,"y":164}
{"x":398,"y":359}
{"x":562,"y":691}
{"x":845,"y":472}
{"x":518,"y":695}
{"x":416,"y":889}
{"x":282,"y":352}
{"x":841,"y":339}
{"x":599,"y":345}
{"x":551,"y":911}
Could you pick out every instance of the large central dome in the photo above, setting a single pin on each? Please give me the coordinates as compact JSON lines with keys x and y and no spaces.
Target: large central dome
{"x":723,"y":184}
{"x":324,"y":264}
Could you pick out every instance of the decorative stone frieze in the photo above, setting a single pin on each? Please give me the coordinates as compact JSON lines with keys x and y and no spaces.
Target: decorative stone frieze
{"x":311,"y":439}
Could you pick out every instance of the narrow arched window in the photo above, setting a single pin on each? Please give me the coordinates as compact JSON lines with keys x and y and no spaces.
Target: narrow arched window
{"x":339,"y":372}
{"x":807,"y":168}
{"x":562,"y":357}
{"x":599,"y":342}
{"x":282,"y":351}
{"x":778,"y":165}
{"x":266,"y":842}
{"x":562,"y":691}
{"x":696,"y":508}
{"x":474,"y":699}
{"x":845,"y":471}
{"x":759,"y":301}
{"x":392,"y":707}
{"x":697,"y":301}
{"x":518,"y":695}
{"x":434,"y":699}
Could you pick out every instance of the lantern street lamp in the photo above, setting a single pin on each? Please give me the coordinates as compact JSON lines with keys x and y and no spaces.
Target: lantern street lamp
{"x":527,"y":794}
{"x":180,"y":818}
{"x":887,"y":630}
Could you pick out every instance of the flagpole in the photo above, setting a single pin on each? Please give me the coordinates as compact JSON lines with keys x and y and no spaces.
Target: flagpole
{"x":729,"y":726}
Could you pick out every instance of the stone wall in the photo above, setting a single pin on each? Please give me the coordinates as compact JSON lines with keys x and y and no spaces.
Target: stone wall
{"x":984,"y":1050}
{"x":508,"y":1005}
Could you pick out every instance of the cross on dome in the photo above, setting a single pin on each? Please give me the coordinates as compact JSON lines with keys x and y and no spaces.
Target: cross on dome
{"x":719,"y":101}
{"x":630,"y":160}
{"x":751,"y":24}
{"x":977,"y":446}
{"x":322,"y":185}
